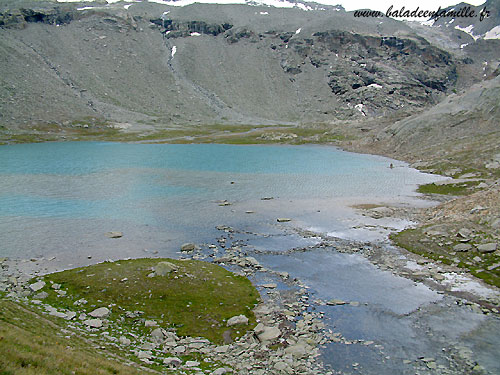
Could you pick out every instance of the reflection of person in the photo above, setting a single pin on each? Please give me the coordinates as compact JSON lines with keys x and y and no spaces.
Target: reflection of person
{"x":391,"y":166}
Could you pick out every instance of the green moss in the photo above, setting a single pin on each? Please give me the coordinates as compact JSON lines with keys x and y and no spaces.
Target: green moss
{"x":448,"y":189}
{"x":196,"y":300}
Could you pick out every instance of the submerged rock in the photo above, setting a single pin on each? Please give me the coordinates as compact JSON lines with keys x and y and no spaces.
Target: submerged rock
{"x":114,"y":234}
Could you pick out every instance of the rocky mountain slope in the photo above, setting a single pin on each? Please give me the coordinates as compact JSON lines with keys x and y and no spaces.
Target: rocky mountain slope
{"x":153,"y":65}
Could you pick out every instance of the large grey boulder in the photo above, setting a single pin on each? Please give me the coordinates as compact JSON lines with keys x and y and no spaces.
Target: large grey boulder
{"x":239,"y":319}
{"x":188,"y":247}
{"x":462,"y":247}
{"x":269,"y":334}
{"x":100,"y":312}
{"x":35,"y":287}
{"x":487,"y":247}
{"x":164,"y":268}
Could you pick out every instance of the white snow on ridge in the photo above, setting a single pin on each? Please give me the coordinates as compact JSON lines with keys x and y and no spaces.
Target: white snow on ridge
{"x":427,"y":23}
{"x":174,"y":50}
{"x":493,"y":33}
{"x":195,"y":34}
{"x":298,"y":30}
{"x":467,"y":30}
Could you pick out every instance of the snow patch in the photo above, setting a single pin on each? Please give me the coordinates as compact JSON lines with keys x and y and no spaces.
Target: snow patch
{"x":464,"y":45}
{"x":298,"y":30}
{"x":493,"y":33}
{"x":86,"y":8}
{"x":376,"y":86}
{"x":452,"y":20}
{"x":467,"y":30}
{"x":428,"y":22}
{"x":174,"y":50}
{"x":264,"y":13}
{"x":195,"y":34}
{"x":269,"y":3}
{"x":127,"y":6}
{"x":359,"y":107}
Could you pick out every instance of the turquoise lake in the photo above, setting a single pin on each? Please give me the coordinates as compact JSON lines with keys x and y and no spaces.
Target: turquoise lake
{"x":60,"y":198}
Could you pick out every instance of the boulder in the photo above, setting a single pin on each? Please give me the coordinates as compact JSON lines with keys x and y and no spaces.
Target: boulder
{"x":93,"y":323}
{"x":124,"y":341}
{"x":192,"y":363}
{"x":144,"y":355}
{"x":270,"y":285}
{"x":164,"y":268}
{"x":179,"y":349}
{"x":101,"y":312}
{"x":269,"y":334}
{"x":335,"y":302}
{"x":283,"y":220}
{"x":487,"y":247}
{"x":158,"y":333}
{"x":35,"y":287}
{"x":114,"y":234}
{"x":150,"y":323}
{"x":239,"y":319}
{"x":298,"y":350}
{"x":172,"y":361}
{"x":188,"y":247}
{"x":462,"y":247}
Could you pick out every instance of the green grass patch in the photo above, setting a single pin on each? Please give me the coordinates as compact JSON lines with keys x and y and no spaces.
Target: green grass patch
{"x":463,"y":188}
{"x":33,"y":345}
{"x":196,"y":300}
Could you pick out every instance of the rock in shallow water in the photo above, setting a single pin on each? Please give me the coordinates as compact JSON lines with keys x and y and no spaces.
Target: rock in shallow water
{"x":114,"y":234}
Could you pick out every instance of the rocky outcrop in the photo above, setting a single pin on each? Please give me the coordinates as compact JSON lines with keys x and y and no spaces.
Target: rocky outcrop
{"x":178,"y":29}
{"x":19,"y":18}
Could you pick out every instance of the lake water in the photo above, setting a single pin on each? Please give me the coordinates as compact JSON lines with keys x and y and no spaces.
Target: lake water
{"x":58,"y":200}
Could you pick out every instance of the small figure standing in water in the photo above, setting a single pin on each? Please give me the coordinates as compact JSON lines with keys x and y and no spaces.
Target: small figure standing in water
{"x":391,"y":166}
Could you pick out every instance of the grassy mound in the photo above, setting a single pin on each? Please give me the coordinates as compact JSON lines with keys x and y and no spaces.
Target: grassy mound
{"x":196,"y":299}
